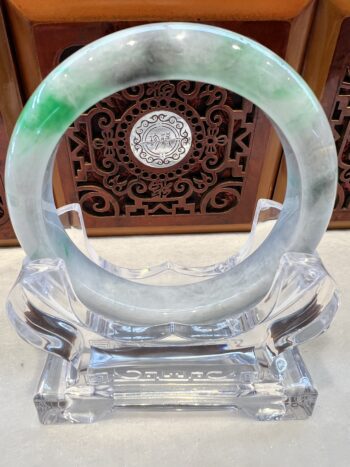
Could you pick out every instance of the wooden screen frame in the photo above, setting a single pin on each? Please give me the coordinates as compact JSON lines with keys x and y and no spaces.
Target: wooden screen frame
{"x":25,"y":15}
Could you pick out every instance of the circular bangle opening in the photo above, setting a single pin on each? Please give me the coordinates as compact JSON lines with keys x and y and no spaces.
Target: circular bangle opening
{"x":172,"y":51}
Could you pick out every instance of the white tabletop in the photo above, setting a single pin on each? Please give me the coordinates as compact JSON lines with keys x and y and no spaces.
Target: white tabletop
{"x":182,"y":438}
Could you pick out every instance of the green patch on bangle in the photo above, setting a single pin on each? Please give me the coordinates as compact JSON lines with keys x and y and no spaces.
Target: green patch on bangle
{"x":49,"y":115}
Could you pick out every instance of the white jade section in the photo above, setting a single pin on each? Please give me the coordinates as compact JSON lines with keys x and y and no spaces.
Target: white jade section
{"x":172,"y":51}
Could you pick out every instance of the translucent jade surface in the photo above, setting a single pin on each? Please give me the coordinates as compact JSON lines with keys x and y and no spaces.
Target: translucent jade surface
{"x":172,"y":51}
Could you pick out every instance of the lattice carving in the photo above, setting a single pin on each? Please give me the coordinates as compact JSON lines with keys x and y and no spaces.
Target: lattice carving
{"x":112,"y":182}
{"x":3,"y":209}
{"x":340,"y":123}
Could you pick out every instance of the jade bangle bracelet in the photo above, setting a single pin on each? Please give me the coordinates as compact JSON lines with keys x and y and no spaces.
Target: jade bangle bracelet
{"x":172,"y":51}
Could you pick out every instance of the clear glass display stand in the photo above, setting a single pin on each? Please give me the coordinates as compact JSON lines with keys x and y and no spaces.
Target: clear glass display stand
{"x":248,"y":362}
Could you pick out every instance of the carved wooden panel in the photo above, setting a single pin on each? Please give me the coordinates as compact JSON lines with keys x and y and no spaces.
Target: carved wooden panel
{"x":112,"y":183}
{"x":340,"y":122}
{"x":336,"y":101}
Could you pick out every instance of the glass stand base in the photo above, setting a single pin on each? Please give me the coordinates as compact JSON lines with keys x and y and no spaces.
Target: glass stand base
{"x":207,"y":378}
{"x":246,"y":362}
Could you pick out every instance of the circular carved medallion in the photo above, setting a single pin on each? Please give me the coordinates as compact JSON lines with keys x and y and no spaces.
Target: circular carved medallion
{"x":160,"y":139}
